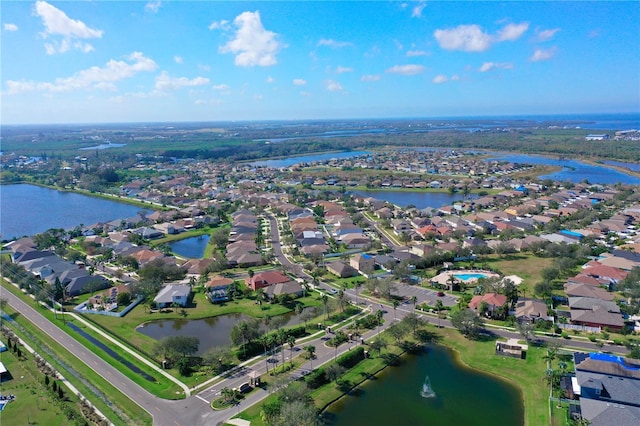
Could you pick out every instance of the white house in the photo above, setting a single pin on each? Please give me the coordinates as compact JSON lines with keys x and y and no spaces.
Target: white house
{"x":173,"y":293}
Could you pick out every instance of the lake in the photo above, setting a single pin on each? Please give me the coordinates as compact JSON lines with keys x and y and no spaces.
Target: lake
{"x":421,"y":200}
{"x":30,"y":209}
{"x":212,"y":332}
{"x":572,"y":170}
{"x":291,"y":161}
{"x":460,"y":396}
{"x":192,"y":248}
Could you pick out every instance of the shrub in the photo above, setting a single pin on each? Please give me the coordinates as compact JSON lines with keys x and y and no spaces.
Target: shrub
{"x":565,"y":335}
{"x":316,"y":378}
{"x":351,"y":358}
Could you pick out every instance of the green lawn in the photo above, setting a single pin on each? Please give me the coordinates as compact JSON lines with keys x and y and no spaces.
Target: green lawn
{"x":34,"y":403}
{"x":120,"y":409}
{"x":525,"y":265}
{"x":528,"y":375}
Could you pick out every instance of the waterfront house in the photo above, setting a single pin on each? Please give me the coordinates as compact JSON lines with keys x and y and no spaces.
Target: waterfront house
{"x":266,"y":279}
{"x":173,"y":293}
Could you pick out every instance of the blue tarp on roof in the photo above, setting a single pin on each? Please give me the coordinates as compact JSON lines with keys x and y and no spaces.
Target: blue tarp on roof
{"x":612,"y":358}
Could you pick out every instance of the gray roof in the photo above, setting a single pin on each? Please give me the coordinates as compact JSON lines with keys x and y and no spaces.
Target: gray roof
{"x":591,"y":303}
{"x":622,"y":390}
{"x":603,"y":413}
{"x":168,"y":292}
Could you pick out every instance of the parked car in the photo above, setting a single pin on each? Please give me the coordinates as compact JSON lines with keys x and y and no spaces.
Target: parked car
{"x":440,"y":294}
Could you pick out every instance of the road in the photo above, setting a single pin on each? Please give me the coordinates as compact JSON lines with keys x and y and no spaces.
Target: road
{"x":196,"y":409}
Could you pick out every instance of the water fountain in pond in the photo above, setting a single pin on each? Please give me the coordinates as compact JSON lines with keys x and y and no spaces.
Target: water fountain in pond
{"x":427,"y":391}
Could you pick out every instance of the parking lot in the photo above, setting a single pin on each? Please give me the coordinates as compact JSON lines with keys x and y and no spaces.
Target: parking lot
{"x":425,"y":295}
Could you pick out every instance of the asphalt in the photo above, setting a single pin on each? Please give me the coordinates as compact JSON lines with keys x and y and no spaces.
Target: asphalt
{"x":195,"y":410}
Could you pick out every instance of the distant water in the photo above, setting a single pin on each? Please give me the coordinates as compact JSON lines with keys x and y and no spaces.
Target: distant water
{"x":291,"y":161}
{"x":419,"y":199}
{"x":192,"y":248}
{"x":572,"y":170}
{"x":29,"y":209}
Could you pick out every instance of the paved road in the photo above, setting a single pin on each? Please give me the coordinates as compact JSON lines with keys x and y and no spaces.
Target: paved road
{"x":196,"y":410}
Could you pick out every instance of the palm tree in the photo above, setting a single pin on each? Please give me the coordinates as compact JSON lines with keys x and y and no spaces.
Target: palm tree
{"x":396,"y":303}
{"x":311,"y":353}
{"x":356,"y":286}
{"x":325,"y":303}
{"x":414,"y":300}
{"x":439,"y":308}
{"x":291,"y":340}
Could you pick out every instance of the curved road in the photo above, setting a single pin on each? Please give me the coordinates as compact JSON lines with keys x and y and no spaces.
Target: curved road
{"x":196,"y":410}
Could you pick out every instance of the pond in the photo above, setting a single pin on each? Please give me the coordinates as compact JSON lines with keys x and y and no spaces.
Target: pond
{"x":31,"y":209}
{"x":192,"y":248}
{"x":430,"y":389}
{"x":212,"y":332}
{"x":419,"y":199}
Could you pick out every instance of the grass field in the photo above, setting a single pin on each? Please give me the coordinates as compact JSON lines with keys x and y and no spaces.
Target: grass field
{"x":34,"y":403}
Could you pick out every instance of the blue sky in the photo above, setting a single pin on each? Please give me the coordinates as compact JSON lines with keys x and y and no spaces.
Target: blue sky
{"x":104,"y":61}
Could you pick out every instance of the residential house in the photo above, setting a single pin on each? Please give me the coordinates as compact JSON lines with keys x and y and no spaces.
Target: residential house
{"x":531,"y":310}
{"x":341,"y":269}
{"x":173,"y":293}
{"x":494,"y":302}
{"x":266,"y":279}
{"x":363,"y":262}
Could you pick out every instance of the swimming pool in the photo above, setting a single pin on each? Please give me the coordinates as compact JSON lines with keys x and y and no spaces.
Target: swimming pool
{"x":470,"y":276}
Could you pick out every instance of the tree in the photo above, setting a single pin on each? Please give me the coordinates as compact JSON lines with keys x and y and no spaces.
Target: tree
{"x":526,"y":330}
{"x":397,"y":331}
{"x":175,"y":347}
{"x":123,"y":299}
{"x":412,"y":321}
{"x":377,"y":345}
{"x":184,"y":366}
{"x":334,"y":371}
{"x":467,"y":323}
{"x":395,"y":303}
{"x":217,"y":357}
{"x":298,"y":413}
{"x":245,"y":332}
{"x":310,"y":351}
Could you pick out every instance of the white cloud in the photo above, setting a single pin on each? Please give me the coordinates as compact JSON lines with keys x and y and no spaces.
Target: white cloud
{"x":178,"y":59}
{"x":468,"y":38}
{"x":472,"y":38}
{"x":416,"y":12}
{"x":252,"y":45}
{"x":299,"y":82}
{"x":546,"y":35}
{"x":303,"y":93}
{"x":90,"y":78}
{"x":334,"y":86}
{"x":220,"y":25}
{"x":204,"y":67}
{"x":455,"y":77}
{"x":341,"y":70}
{"x":153,"y":6}
{"x":10,"y":27}
{"x":413,"y":53}
{"x":370,"y":77}
{"x":333,"y":43}
{"x":488,"y":66}
{"x":165,"y":82}
{"x":440,"y":78}
{"x":258,"y":98}
{"x":512,"y":32}
{"x":57,"y":23}
{"x":224,"y":89}
{"x":409,"y":69}
{"x":542,"y":54}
